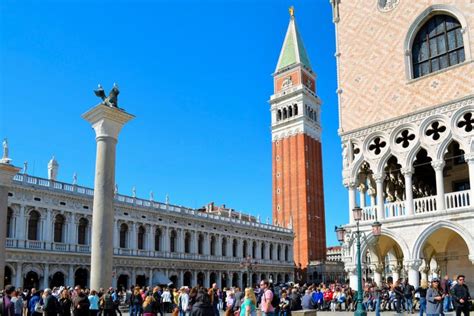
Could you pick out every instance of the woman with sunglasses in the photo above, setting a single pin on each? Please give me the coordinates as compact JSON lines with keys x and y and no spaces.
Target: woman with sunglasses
{"x":434,"y":299}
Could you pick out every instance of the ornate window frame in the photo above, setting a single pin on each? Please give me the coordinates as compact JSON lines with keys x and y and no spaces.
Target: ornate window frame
{"x":418,"y":23}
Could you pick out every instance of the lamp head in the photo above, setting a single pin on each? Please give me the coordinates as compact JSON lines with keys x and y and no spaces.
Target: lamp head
{"x":340,"y":233}
{"x":357,"y":213}
{"x":376,"y":229}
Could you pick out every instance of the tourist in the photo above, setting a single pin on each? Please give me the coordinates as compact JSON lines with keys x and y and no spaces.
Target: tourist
{"x":249,"y":305}
{"x":8,"y":308}
{"x":167,"y":300}
{"x":183,"y":302}
{"x":50,"y":303}
{"x":65,"y":303}
{"x":214,"y":293}
{"x":35,"y":304}
{"x":295,"y":300}
{"x":434,"y":299}
{"x":17,"y":302}
{"x":307,"y":300}
{"x":158,"y":303}
{"x":80,"y":303}
{"x":202,"y":305}
{"x":267,"y":298}
{"x":136,"y":302}
{"x":94,"y":303}
{"x":408,"y":291}
{"x":148,"y":306}
{"x":230,"y":300}
{"x":284,"y":306}
{"x":116,"y":300}
{"x":461,"y":296}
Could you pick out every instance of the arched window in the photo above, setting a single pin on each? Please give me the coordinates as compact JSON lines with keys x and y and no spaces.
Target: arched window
{"x":9,"y":223}
{"x":279,"y":253}
{"x":286,"y":253}
{"x":157,"y":239}
{"x":141,"y":237}
{"x":200,"y":244}
{"x":271,"y":251}
{"x":290,"y":111}
{"x":262,"y":251}
{"x":82,"y":231}
{"x":58,"y":228}
{"x":278,"y":115}
{"x":123,"y":235}
{"x":187,"y":243}
{"x":33,"y":225}
{"x":173,"y":241}
{"x":285,"y":113}
{"x":295,"y":109}
{"x":437,"y":45}
{"x":254,"y":249}
{"x":234,"y":248}
{"x":224,"y":247}
{"x":212,"y":246}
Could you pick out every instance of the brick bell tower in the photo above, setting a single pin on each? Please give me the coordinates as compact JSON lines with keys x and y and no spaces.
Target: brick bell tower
{"x":297,"y":173}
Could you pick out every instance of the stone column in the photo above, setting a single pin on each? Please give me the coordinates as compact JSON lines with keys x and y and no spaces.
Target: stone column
{"x":19,"y":275}
{"x":46,"y":276}
{"x":21,"y":224}
{"x":134,"y":277}
{"x":70,"y":276}
{"x":181,"y":278}
{"x":352,"y":201}
{"x":438,"y":166}
{"x":150,"y":281}
{"x":194,"y":243}
{"x":48,"y":229}
{"x":395,"y":269}
{"x":7,"y":171}
{"x":116,"y":237}
{"x":107,"y":122}
{"x":380,"y":201}
{"x":207,"y":276}
{"x":218,"y":246}
{"x":407,"y":173}
{"x":362,"y":189}
{"x":133,"y":238}
{"x":378,"y":269}
{"x":352,"y":273}
{"x":413,"y":275}
{"x":470,"y":163}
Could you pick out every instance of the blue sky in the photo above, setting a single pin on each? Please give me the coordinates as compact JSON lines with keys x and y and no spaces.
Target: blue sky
{"x":197,"y":75}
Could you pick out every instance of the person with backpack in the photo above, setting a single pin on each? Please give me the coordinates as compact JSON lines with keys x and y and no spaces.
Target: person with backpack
{"x":107,"y":303}
{"x":266,"y":305}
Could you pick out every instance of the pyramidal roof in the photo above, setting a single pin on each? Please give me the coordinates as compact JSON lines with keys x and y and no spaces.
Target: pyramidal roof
{"x":293,"y":51}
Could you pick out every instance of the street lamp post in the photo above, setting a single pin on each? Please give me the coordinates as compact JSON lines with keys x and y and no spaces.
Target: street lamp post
{"x":249,"y":265}
{"x":341,"y":232}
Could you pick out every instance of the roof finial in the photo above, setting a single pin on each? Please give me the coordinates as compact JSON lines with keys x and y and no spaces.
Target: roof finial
{"x":292,"y":11}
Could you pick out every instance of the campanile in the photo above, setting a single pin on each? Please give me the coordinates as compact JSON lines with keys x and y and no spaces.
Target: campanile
{"x":297,"y":173}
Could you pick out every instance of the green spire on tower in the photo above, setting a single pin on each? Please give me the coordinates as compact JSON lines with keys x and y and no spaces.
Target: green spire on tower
{"x":293,"y":51}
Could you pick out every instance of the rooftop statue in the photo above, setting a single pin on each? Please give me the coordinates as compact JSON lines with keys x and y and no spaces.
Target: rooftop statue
{"x":5,"y":158}
{"x":111,"y":100}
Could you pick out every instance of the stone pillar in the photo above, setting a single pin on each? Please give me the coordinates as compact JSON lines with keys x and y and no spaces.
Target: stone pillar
{"x":438,"y":166}
{"x":395,"y":269}
{"x":352,"y":274}
{"x":378,"y":269}
{"x":48,"y":229}
{"x":207,"y":277}
{"x":362,"y":191}
{"x":133,"y":238}
{"x":107,"y":122}
{"x":7,"y":171}
{"x":407,"y":173}
{"x":19,"y":275}
{"x":219,"y":279}
{"x":470,"y":163}
{"x":181,"y":278}
{"x":150,"y":244}
{"x":46,"y":276}
{"x":21,"y":224}
{"x":116,"y":234}
{"x":218,"y":246}
{"x":413,"y":275}
{"x":150,"y":281}
{"x":194,"y":243}
{"x":70,"y":276}
{"x":352,"y":201}
{"x":134,"y":277}
{"x":380,"y":201}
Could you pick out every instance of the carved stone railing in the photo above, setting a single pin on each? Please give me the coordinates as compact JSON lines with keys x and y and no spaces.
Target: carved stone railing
{"x":369,"y":213}
{"x":425,"y":204}
{"x":456,"y":200}
{"x":394,"y":209}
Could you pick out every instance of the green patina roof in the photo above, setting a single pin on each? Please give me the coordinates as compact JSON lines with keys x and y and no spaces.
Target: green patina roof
{"x":293,"y":50}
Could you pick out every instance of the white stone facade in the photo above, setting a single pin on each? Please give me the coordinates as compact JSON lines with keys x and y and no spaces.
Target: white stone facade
{"x":161,"y":241}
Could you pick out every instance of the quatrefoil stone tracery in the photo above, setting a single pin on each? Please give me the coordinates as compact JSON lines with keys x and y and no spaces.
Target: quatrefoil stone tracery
{"x":467,"y":122}
{"x":435,"y":130}
{"x":405,"y":138}
{"x":377,"y":145}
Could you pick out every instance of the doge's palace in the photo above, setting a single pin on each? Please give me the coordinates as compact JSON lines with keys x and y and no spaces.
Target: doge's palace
{"x":406,"y":121}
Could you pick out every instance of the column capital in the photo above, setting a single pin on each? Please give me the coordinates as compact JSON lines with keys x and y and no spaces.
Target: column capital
{"x":407,"y":171}
{"x":378,"y":177}
{"x":107,"y":121}
{"x":438,"y":165}
{"x":7,"y":172}
{"x":377,"y":267}
{"x":413,"y":264}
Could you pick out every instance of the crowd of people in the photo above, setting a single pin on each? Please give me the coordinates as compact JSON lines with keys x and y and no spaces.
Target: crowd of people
{"x":270,"y":300}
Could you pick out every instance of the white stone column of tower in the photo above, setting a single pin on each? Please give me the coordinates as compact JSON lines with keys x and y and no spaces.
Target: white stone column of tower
{"x":7,"y":171}
{"x":107,"y":122}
